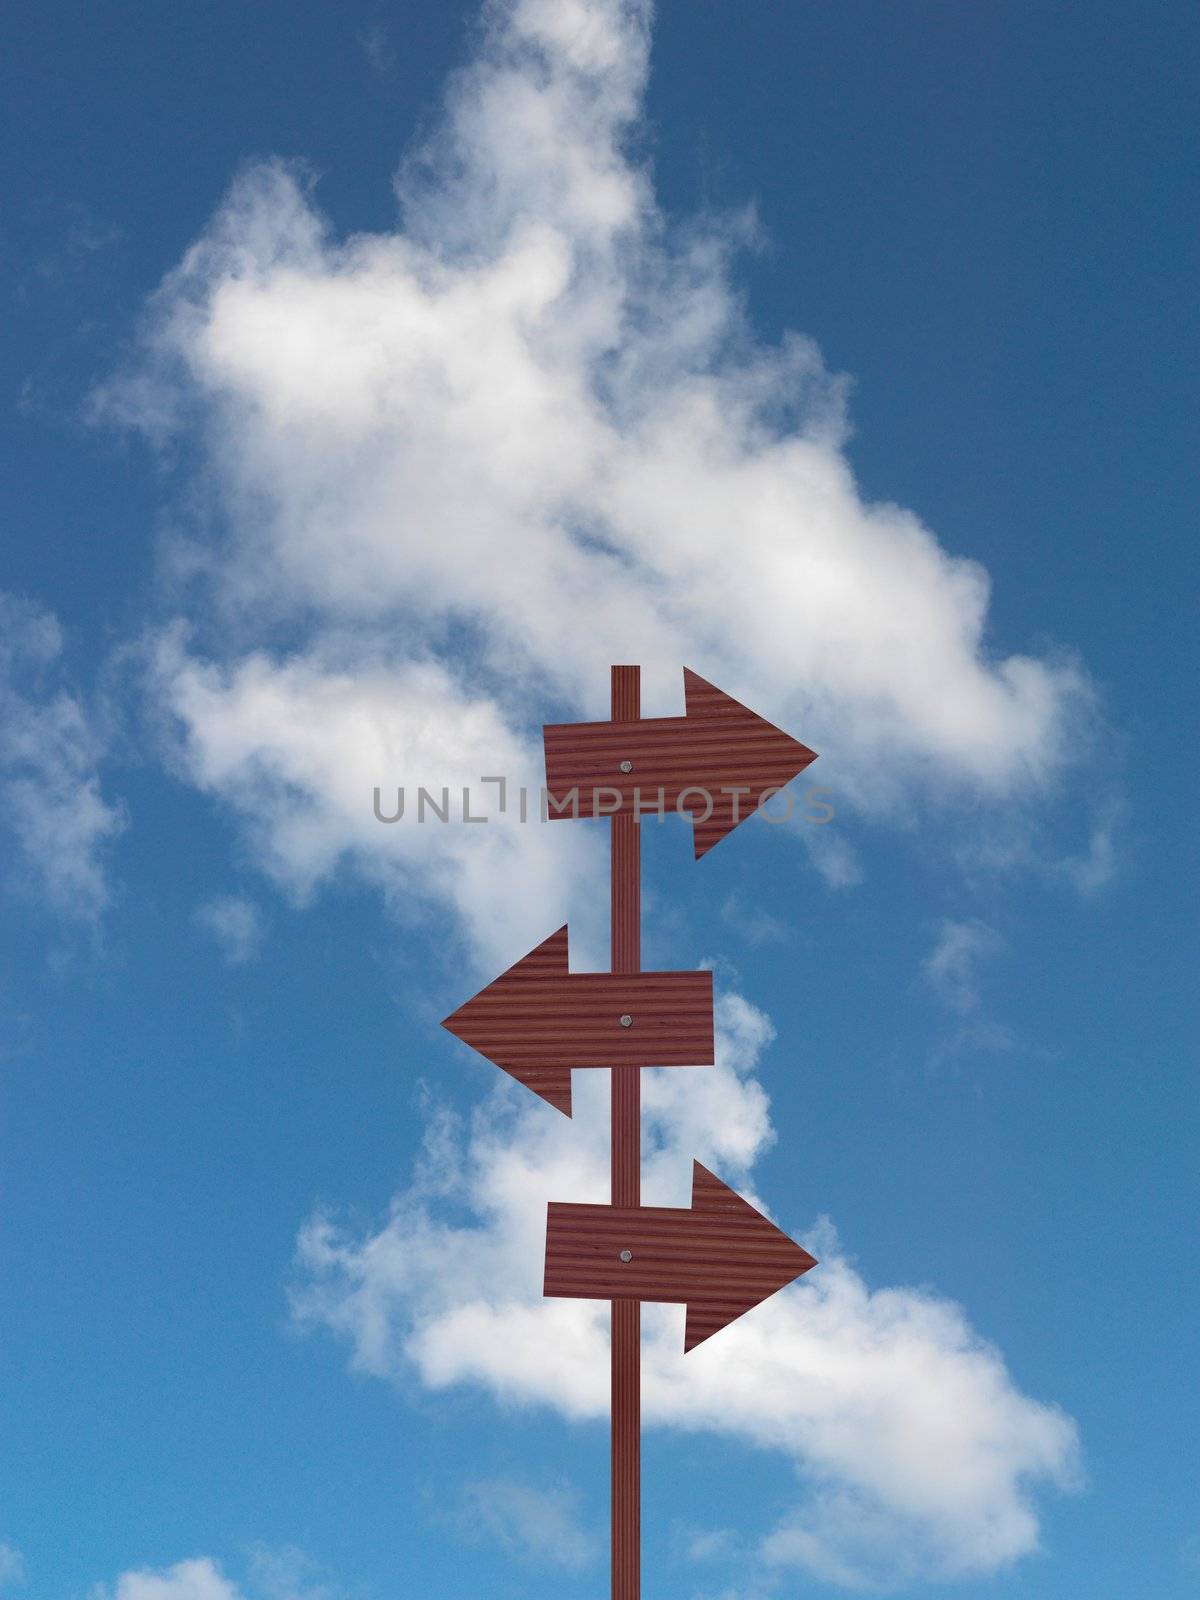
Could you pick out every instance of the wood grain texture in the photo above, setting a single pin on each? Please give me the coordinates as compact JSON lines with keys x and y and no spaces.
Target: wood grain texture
{"x":626,"y":1189}
{"x":718,"y":745}
{"x":626,"y":1451}
{"x":721,"y":1258}
{"x":538,"y":1019}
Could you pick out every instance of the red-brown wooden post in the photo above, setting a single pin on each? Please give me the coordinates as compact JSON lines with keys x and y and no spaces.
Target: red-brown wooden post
{"x":626,"y":1186}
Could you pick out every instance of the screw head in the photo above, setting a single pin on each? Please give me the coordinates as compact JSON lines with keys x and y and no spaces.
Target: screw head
{"x":627,"y":766}
{"x":626,"y":1020}
{"x":626,"y":1255}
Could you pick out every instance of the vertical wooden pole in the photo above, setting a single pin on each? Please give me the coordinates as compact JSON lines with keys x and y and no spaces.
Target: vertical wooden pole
{"x":626,"y":1185}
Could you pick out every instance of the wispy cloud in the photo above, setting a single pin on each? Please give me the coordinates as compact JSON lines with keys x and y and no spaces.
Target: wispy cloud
{"x":379,"y":50}
{"x":541,"y":1526}
{"x":832,"y":854}
{"x":751,"y":923}
{"x":952,"y":967}
{"x":287,"y":1573}
{"x":71,"y":234}
{"x":1095,"y":868}
{"x":237,"y":924}
{"x":12,"y":1566}
{"x":50,"y":748}
{"x":1018,"y":840}
{"x":709,"y":1544}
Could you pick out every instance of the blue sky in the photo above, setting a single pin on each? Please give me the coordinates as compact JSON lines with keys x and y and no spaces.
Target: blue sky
{"x":377,"y":376}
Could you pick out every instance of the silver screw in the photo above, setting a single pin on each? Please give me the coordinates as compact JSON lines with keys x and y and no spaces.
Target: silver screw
{"x":626,"y":1255}
{"x":627,"y":766}
{"x":627,"y":1021}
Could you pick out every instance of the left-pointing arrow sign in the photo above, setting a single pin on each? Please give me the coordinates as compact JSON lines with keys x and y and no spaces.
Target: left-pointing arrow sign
{"x":538,"y":1020}
{"x":722,"y":1257}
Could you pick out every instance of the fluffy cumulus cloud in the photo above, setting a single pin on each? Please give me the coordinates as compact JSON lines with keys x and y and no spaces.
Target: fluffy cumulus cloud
{"x":454,"y":470}
{"x":50,"y":747}
{"x":197,"y":1579}
{"x":918,"y":1454}
{"x":449,"y":473}
{"x":274,"y":1574}
{"x":299,"y":747}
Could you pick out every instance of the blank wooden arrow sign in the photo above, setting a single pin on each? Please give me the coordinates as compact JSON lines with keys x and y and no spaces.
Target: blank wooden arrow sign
{"x":721,"y":1258}
{"x":715,"y":763}
{"x":538,"y":1020}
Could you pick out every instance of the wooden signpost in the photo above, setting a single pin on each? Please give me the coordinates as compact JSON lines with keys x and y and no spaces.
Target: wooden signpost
{"x":538,"y":1020}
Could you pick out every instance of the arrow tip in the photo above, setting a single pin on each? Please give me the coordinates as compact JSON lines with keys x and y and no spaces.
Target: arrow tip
{"x":484,"y":1022}
{"x":758,"y":758}
{"x":772,"y":1259}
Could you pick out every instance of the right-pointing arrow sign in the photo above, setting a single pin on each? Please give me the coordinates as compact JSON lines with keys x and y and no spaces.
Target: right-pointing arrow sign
{"x":721,"y":1258}
{"x":716,"y":764}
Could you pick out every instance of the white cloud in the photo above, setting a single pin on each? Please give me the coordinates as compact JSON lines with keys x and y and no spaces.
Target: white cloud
{"x":12,"y":1566}
{"x":523,"y":435}
{"x":197,"y":1579}
{"x":236,"y":924}
{"x":538,"y":1525}
{"x":286,"y":1573}
{"x":461,"y":467}
{"x":50,"y":799}
{"x":918,"y":1455}
{"x":297,"y":749}
{"x":951,"y":969}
